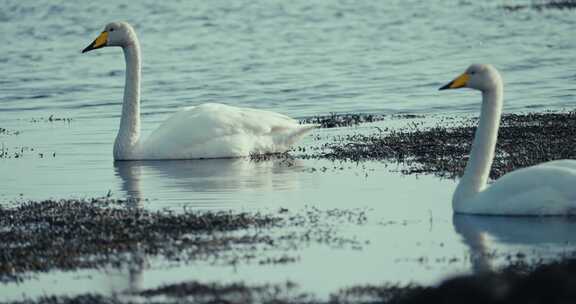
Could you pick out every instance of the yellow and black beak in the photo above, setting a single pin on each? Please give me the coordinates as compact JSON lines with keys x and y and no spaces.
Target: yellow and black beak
{"x":99,"y":42}
{"x":459,"y":82}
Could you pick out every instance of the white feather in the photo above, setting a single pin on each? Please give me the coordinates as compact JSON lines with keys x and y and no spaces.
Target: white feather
{"x":217,"y":130}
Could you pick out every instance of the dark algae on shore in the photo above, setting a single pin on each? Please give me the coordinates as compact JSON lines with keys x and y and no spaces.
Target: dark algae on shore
{"x":94,"y":233}
{"x":523,"y":140}
{"x":75,"y":234}
{"x":342,"y":120}
{"x":543,"y":5}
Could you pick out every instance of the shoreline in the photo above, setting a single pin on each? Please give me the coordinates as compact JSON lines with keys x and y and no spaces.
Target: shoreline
{"x":442,"y":149}
{"x":99,"y":231}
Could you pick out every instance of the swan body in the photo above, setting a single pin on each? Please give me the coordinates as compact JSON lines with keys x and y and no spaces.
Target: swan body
{"x":545,"y":189}
{"x":226,"y":132}
{"x":204,"y":131}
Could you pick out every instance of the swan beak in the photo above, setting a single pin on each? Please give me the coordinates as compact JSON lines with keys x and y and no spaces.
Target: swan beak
{"x":459,"y":82}
{"x":99,"y":42}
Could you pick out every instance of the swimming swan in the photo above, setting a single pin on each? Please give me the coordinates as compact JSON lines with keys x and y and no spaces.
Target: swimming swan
{"x":545,"y":189}
{"x":205,"y":131}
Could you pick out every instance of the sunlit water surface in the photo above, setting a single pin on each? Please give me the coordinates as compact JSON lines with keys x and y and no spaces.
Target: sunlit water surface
{"x":301,"y":58}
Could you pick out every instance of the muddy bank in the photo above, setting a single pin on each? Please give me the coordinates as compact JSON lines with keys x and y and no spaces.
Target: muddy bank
{"x":517,"y":283}
{"x":91,"y":234}
{"x":523,"y":140}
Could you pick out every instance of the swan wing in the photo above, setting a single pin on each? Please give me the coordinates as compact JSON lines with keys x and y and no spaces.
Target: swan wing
{"x":217,"y":130}
{"x":545,"y":189}
{"x":562,"y":163}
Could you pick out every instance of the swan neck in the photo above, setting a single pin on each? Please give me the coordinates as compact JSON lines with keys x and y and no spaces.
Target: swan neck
{"x":129,"y":132}
{"x":478,"y":167}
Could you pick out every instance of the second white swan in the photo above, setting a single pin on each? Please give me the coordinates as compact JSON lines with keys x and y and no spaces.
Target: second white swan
{"x":545,"y":189}
{"x":204,"y":131}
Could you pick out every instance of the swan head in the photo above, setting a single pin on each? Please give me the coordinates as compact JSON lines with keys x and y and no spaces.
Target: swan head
{"x":482,"y":77}
{"x":114,"y":34}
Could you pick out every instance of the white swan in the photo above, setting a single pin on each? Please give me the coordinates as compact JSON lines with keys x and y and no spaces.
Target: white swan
{"x":545,"y":189}
{"x":204,"y":131}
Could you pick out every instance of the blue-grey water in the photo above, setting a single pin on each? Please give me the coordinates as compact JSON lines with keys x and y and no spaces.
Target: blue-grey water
{"x":302,"y":58}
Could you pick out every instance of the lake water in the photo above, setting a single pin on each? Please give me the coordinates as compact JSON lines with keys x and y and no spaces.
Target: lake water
{"x":301,"y":58}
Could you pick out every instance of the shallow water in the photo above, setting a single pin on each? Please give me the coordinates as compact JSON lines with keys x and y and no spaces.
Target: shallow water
{"x":301,"y":58}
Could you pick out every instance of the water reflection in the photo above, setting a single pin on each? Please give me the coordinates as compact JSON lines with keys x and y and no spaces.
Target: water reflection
{"x":211,"y":180}
{"x":536,"y":232}
{"x":128,"y":278}
{"x":214,"y":176}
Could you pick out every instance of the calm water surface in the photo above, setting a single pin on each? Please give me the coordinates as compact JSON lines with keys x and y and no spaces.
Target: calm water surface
{"x":301,"y":58}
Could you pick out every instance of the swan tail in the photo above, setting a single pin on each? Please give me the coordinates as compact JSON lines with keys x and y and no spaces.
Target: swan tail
{"x":299,"y":133}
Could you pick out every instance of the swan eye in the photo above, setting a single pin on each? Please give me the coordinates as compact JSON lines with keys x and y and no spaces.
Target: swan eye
{"x":111,"y":30}
{"x":472,"y":72}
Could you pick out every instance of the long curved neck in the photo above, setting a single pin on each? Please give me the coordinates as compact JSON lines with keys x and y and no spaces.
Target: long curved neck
{"x":129,"y":132}
{"x":478,"y":167}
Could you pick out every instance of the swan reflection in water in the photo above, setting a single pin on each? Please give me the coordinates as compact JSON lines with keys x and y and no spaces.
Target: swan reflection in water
{"x":124,"y":280}
{"x":210,"y":180}
{"x":535,"y":232}
{"x":216,"y":176}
